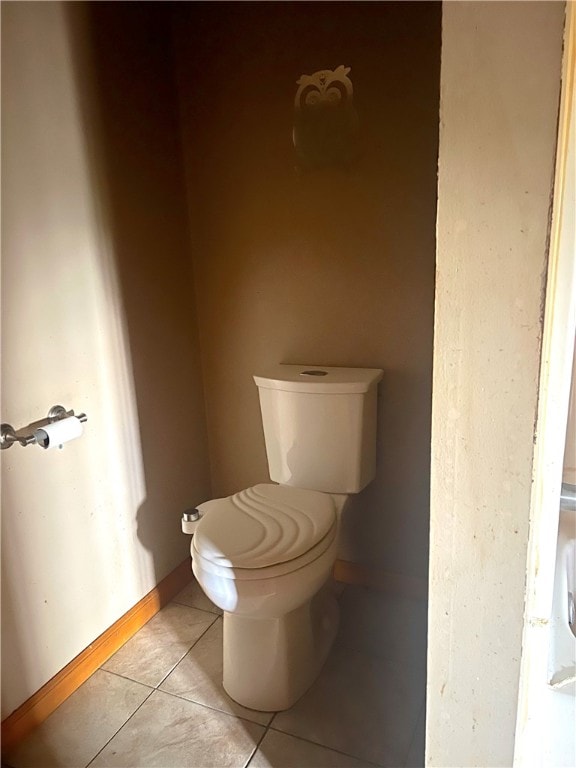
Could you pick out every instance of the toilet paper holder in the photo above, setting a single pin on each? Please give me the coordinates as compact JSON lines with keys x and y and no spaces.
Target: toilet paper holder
{"x":26,"y":436}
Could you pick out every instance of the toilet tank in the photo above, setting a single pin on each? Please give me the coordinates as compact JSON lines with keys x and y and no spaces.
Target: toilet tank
{"x":320,"y":426}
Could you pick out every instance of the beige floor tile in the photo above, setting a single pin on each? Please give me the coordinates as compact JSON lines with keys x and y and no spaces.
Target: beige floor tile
{"x":169,"y":732}
{"x":198,"y":677}
{"x":416,"y":754}
{"x":156,"y":649}
{"x":388,"y":626}
{"x":360,"y":705}
{"x":193,"y":596}
{"x":82,"y":725}
{"x":279,"y":750}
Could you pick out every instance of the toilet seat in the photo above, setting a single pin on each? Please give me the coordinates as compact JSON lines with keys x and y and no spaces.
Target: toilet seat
{"x":264,"y":531}
{"x":269,"y":572}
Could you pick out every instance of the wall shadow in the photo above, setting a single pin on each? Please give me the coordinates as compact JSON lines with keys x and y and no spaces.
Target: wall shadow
{"x":129,"y":108}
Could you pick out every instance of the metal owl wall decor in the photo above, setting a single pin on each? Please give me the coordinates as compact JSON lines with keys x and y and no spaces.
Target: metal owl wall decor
{"x":325,"y":120}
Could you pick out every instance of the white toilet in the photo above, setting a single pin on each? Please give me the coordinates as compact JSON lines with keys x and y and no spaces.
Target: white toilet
{"x":265,"y":555}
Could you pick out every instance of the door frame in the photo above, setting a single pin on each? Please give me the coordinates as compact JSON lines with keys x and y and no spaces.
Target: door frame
{"x":552,"y":417}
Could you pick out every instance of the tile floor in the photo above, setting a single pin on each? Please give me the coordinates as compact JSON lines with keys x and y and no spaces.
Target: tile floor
{"x":159,"y":700}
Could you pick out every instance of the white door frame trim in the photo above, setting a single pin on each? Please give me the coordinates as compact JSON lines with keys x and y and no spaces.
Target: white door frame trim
{"x":552,"y":416}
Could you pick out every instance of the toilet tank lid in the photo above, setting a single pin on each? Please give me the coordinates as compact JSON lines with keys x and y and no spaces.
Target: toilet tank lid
{"x":319,"y":379}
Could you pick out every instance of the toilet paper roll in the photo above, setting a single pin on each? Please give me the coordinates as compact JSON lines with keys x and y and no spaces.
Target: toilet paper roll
{"x":59,"y":432}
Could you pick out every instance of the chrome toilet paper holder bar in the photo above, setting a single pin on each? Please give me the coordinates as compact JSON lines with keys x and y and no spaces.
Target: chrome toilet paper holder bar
{"x":26,"y":436}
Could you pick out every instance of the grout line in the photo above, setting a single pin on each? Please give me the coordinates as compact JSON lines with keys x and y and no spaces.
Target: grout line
{"x":187,"y":605}
{"x":189,"y":701}
{"x":153,"y":689}
{"x":266,"y":727}
{"x":123,"y":677}
{"x":183,"y":698}
{"x":119,"y":729}
{"x":216,"y":709}
{"x":256,"y":746}
{"x":172,"y":668}
{"x":188,"y":651}
{"x":421,"y":712}
{"x":326,"y":746}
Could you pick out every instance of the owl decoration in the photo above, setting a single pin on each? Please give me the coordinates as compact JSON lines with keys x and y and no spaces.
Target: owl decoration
{"x":325,"y":120}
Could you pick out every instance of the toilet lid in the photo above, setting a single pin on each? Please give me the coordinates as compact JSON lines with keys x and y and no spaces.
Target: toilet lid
{"x":263,"y":526}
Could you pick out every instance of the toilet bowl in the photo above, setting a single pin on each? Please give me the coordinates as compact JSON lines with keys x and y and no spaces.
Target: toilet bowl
{"x":265,"y":555}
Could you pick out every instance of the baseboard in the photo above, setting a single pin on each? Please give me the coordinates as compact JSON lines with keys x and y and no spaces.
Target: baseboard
{"x":39,"y":706}
{"x":384,"y":581}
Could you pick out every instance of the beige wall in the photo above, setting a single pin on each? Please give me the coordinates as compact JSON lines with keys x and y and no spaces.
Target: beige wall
{"x":98,"y":314}
{"x":500,"y":82}
{"x":329,"y":267}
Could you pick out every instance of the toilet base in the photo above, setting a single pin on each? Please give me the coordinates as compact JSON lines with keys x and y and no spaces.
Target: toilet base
{"x":269,"y":663}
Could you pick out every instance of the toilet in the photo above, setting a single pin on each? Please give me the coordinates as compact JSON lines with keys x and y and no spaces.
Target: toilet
{"x":265,"y":555}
